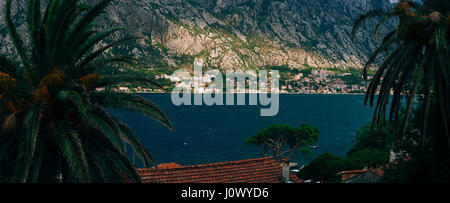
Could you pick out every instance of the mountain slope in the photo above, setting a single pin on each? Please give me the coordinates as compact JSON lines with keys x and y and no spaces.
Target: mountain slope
{"x":241,"y":34}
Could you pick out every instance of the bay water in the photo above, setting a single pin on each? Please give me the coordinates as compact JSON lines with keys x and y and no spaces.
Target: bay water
{"x":209,"y":134}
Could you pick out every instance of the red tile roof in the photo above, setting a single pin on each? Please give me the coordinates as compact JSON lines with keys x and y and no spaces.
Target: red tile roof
{"x":353,"y":171}
{"x":377,"y":171}
{"x":260,"y":170}
{"x":168,"y":165}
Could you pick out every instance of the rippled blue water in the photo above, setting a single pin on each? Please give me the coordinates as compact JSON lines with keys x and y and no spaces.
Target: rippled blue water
{"x":208,"y":134}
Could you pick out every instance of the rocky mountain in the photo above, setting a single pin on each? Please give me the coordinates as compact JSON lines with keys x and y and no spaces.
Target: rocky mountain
{"x":239,"y":34}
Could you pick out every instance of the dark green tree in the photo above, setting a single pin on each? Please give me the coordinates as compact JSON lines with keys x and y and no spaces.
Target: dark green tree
{"x":283,"y":142}
{"x":426,"y":162}
{"x":371,"y":158}
{"x":53,"y":121}
{"x":326,"y":166}
{"x":372,"y":149}
{"x":377,"y":139}
{"x":323,"y":168}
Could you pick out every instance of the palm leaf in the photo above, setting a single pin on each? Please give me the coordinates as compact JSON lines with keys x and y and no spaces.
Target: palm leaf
{"x":368,"y":15}
{"x":15,"y":37}
{"x":91,"y":57}
{"x":137,"y":146}
{"x":33,"y":19}
{"x":52,"y":121}
{"x":91,"y":41}
{"x":27,"y":146}
{"x":87,"y":19}
{"x":72,"y":150}
{"x":7,"y":66}
{"x":132,"y":103}
{"x":107,"y":127}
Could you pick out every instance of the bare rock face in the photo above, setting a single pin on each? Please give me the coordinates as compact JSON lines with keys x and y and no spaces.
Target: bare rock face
{"x":239,"y":34}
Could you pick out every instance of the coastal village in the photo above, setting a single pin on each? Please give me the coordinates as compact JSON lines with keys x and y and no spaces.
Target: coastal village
{"x":314,"y":81}
{"x":322,"y":82}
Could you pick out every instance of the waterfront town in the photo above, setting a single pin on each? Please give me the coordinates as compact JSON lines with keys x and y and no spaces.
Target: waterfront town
{"x":324,"y":82}
{"x":314,"y":81}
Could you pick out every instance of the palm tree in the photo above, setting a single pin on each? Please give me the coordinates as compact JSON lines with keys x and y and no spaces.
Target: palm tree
{"x":52,"y":119}
{"x":417,"y":63}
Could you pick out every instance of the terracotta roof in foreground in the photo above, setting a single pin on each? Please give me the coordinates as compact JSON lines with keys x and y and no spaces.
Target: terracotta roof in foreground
{"x":377,"y":171}
{"x":260,"y":170}
{"x":353,"y":171}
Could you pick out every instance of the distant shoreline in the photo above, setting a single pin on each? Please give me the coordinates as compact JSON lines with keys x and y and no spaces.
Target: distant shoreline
{"x":259,"y":93}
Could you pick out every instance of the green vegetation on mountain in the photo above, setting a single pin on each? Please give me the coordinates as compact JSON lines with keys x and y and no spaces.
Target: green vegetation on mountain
{"x":244,"y":34}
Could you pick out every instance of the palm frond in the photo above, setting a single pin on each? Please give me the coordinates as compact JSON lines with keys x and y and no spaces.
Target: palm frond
{"x":91,"y":41}
{"x":107,"y":127}
{"x":27,"y":147}
{"x":91,"y":57}
{"x":72,"y":150}
{"x":137,"y":146}
{"x":36,"y":166}
{"x":19,"y":44}
{"x":7,"y":66}
{"x":371,"y":14}
{"x":120,"y":164}
{"x":388,"y":41}
{"x":132,"y":103}
{"x":87,"y":19}
{"x":33,"y":18}
{"x":51,"y":120}
{"x":419,"y":64}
